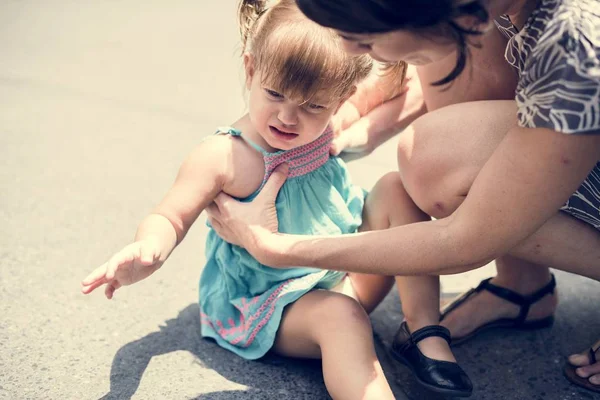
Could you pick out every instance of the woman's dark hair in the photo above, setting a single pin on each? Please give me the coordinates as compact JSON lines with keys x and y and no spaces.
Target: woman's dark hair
{"x":379,"y":16}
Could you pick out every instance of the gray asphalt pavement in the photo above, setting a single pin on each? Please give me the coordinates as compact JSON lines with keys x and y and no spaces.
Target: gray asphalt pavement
{"x":99,"y":104}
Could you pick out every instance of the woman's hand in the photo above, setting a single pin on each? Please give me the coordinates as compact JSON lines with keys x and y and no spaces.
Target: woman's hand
{"x":250,"y":225}
{"x":380,"y":108}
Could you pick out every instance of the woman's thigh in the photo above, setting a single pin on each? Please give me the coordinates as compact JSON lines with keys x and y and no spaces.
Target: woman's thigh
{"x":442,"y":152}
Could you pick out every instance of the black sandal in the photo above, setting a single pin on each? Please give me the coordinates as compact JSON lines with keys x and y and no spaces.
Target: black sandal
{"x":439,"y":376}
{"x":525,"y":302}
{"x":572,"y":376}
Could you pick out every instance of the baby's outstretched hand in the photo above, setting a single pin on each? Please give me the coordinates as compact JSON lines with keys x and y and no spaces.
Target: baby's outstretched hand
{"x":133,"y":263}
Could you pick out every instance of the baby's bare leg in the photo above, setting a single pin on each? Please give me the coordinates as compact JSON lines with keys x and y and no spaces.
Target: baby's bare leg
{"x":389,"y":205}
{"x":335,"y":327}
{"x":386,"y":206}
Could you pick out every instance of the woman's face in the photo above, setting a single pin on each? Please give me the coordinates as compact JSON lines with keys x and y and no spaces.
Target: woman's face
{"x":400,"y":45}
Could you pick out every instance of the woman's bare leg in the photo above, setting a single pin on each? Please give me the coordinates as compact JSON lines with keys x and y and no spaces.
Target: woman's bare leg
{"x":487,"y":76}
{"x":335,"y":327}
{"x":512,"y":273}
{"x":526,"y":269}
{"x":439,"y":157}
{"x":439,"y":161}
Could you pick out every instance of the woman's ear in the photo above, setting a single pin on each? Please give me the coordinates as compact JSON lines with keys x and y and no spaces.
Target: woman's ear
{"x":249,"y":68}
{"x":343,"y":100}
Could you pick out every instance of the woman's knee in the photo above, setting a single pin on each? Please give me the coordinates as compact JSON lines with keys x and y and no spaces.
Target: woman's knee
{"x":427,"y":170}
{"x":441,"y":153}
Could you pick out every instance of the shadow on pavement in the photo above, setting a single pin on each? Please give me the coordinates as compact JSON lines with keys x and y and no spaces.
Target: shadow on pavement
{"x":507,"y":364}
{"x":270,"y":377}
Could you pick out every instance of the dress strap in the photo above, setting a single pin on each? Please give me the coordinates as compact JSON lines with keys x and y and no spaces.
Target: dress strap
{"x":227,"y":130}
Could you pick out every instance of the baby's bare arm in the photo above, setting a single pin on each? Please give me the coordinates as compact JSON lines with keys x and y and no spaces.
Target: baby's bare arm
{"x":201,"y":177}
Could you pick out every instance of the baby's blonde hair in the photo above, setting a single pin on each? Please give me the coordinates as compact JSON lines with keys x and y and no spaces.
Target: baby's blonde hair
{"x":294,"y":55}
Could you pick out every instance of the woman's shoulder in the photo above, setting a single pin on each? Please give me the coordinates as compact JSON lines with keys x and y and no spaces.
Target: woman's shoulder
{"x":558,"y":56}
{"x":571,"y":24}
{"x":565,"y":29}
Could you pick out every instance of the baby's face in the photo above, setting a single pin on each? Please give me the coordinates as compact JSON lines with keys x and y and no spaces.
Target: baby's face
{"x":286,"y":123}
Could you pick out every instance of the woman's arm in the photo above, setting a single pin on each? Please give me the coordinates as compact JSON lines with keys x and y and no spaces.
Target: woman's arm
{"x":381,"y":107}
{"x":527,"y":179}
{"x":379,"y":110}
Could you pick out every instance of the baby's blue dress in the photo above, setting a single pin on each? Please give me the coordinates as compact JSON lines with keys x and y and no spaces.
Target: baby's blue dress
{"x":242,"y":300}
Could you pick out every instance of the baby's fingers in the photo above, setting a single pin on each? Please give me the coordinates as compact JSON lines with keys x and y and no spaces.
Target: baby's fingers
{"x":127,"y":255}
{"x":110,"y":289}
{"x":98,"y":275}
{"x":86,"y":289}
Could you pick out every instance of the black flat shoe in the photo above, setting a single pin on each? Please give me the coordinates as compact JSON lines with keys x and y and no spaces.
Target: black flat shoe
{"x":439,"y":376}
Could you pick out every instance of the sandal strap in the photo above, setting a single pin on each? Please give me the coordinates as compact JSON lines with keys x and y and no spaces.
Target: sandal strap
{"x":548,"y":289}
{"x":593,"y":355}
{"x":522,"y":301}
{"x":458,"y":302}
{"x":429,"y":331}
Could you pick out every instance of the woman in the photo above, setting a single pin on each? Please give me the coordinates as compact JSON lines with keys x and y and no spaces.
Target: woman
{"x":494,"y":173}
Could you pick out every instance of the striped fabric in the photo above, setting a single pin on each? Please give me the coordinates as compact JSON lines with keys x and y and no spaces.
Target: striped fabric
{"x":557,"y":54}
{"x":301,"y":160}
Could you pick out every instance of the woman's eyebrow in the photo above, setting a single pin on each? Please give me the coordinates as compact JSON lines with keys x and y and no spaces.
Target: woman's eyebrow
{"x":350,"y":38}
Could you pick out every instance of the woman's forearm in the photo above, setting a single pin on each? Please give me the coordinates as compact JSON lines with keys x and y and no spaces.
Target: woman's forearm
{"x":415,"y":249}
{"x":392,"y":117}
{"x":501,"y":212}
